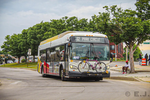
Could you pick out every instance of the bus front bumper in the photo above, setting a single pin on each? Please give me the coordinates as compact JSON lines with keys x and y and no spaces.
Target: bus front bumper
{"x":88,"y":74}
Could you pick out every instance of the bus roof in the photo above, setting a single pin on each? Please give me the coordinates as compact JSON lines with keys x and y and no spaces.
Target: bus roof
{"x":63,"y":38}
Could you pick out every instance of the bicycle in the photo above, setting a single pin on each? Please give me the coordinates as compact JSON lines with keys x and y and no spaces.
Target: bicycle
{"x":85,"y":66}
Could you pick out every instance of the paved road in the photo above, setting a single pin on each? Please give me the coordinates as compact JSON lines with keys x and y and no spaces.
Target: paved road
{"x":21,"y":84}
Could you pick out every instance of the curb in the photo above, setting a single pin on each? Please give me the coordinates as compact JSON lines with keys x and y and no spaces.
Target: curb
{"x":135,"y":70}
{"x":127,"y":79}
{"x":124,"y":78}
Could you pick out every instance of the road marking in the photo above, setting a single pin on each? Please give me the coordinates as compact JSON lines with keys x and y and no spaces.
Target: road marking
{"x":127,"y":82}
{"x":15,"y":82}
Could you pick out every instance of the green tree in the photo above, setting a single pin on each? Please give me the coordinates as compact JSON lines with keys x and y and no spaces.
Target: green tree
{"x":2,"y":52}
{"x":15,"y":49}
{"x":93,"y":24}
{"x":32,"y":39}
{"x":57,"y":26}
{"x":34,"y":36}
{"x":11,"y":45}
{"x":72,"y":23}
{"x":82,"y":25}
{"x":6,"y":45}
{"x":24,"y":44}
{"x":123,"y":26}
{"x":1,"y":60}
{"x":143,"y":9}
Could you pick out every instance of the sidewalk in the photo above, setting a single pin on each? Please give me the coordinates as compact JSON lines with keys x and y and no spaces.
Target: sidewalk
{"x":142,"y":73}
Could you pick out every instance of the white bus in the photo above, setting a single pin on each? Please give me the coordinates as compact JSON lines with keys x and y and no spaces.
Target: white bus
{"x":61,"y":55}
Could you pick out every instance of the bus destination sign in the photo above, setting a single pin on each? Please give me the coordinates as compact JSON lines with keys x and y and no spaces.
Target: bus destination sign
{"x":89,"y":39}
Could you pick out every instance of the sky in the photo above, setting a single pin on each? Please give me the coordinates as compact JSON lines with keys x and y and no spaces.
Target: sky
{"x":16,"y":15}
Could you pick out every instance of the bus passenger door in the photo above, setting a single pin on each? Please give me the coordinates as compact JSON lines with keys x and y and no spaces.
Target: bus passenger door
{"x":39,"y":65}
{"x":66,"y":59}
{"x":47,"y":60}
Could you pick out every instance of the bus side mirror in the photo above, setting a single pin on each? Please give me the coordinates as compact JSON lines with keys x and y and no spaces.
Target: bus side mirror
{"x":69,"y":44}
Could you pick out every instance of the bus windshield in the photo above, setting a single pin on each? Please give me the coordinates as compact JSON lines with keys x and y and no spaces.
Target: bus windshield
{"x":81,"y":51}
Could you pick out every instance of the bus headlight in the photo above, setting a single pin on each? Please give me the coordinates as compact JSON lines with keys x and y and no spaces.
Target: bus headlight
{"x":73,"y":67}
{"x":108,"y":67}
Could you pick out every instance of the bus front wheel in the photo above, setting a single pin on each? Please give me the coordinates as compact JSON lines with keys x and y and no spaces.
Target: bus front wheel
{"x":97,"y":79}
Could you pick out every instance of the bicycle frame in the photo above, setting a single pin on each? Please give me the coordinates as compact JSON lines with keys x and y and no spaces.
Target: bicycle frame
{"x":86,"y":65}
{"x":93,"y":67}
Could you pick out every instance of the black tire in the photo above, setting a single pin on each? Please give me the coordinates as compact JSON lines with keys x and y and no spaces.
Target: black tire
{"x":100,"y":66}
{"x":43,"y":75}
{"x":37,"y":67}
{"x":98,"y":78}
{"x":62,"y":75}
{"x":101,"y":78}
{"x":83,"y":67}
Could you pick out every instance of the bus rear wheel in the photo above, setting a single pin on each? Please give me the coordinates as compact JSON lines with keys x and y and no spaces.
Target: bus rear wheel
{"x":43,"y":75}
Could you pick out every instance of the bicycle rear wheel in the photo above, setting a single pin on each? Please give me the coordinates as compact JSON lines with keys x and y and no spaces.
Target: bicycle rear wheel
{"x":83,"y":67}
{"x":100,"y":66}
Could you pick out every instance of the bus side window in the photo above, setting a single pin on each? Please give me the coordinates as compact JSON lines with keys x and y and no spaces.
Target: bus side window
{"x":62,"y":55}
{"x":57,"y":56}
{"x":48,"y":55}
{"x":62,"y":48}
{"x":52,"y":55}
{"x":43,"y":55}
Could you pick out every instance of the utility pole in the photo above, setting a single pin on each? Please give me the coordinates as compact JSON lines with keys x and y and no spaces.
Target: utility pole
{"x":115,"y":52}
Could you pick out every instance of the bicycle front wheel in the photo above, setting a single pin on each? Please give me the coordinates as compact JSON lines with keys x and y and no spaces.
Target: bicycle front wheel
{"x":83,"y":67}
{"x":100,"y":66}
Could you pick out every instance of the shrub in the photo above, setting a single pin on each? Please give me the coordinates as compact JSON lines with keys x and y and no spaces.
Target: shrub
{"x":23,"y":60}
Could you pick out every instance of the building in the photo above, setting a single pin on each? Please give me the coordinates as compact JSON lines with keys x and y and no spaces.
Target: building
{"x":145,"y":47}
{"x":119,"y":49}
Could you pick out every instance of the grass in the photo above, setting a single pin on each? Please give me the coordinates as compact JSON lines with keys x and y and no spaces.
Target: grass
{"x":32,"y":66}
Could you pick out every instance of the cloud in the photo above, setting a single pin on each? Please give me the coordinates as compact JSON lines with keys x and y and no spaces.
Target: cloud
{"x":86,"y":11}
{"x":15,"y":22}
{"x":25,"y":18}
{"x":127,"y":5}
